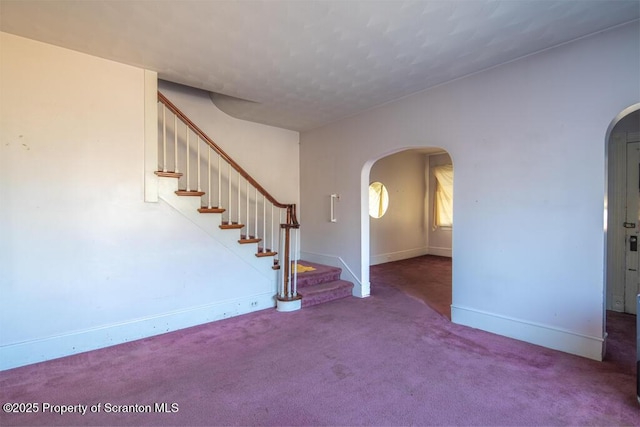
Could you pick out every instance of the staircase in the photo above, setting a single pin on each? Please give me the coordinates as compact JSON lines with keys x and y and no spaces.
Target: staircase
{"x":201,"y":181}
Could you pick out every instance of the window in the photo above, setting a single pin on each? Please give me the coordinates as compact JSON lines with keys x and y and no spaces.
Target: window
{"x":378,"y":199}
{"x":443,"y":198}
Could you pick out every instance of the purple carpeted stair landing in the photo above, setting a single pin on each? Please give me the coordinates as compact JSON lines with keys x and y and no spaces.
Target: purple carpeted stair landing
{"x":322,"y":285}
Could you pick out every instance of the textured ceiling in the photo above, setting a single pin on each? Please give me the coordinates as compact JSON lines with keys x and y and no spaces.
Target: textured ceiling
{"x":302,"y":64}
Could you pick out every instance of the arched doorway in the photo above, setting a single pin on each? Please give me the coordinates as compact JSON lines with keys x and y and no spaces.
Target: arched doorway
{"x":622,"y":211}
{"x":411,"y":241}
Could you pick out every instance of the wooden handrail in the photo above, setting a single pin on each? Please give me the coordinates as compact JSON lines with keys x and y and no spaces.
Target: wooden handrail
{"x":291,"y":208}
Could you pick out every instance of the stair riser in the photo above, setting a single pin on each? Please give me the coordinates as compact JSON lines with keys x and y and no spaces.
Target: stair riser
{"x":306,"y":281}
{"x":311,"y":300}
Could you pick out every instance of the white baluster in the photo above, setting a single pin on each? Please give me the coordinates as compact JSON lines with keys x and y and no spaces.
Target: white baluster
{"x":164,"y":138}
{"x":280,"y":234}
{"x":248,"y":207}
{"x":281,"y":250}
{"x":289,"y":266}
{"x":256,"y":219}
{"x":219,"y":184}
{"x":175,"y":142}
{"x":198,"y":142}
{"x":272,"y":218}
{"x":264,"y":221}
{"x":229,"y":180}
{"x":188,"y":151}
{"x":209,"y":191}
{"x":294,"y":285}
{"x":240,"y":219}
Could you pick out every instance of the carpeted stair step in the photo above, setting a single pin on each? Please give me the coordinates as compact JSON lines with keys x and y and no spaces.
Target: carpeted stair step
{"x":324,"y":292}
{"x":321,"y":274}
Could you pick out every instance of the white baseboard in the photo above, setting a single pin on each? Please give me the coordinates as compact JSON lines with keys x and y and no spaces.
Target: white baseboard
{"x":40,"y":350}
{"x":397,"y":256}
{"x":433,"y":250}
{"x":336,"y":261}
{"x":539,"y":334}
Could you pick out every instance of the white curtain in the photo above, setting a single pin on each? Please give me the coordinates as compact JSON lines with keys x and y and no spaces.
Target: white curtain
{"x":443,"y":203}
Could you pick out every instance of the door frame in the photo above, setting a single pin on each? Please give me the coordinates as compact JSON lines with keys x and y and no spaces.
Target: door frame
{"x":365,"y":172}
{"x":614,"y":250}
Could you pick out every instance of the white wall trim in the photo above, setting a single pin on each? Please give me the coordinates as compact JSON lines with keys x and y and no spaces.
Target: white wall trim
{"x":434,"y":250}
{"x":399,"y":255}
{"x":336,"y":261}
{"x":531,"y":332}
{"x":42,"y":349}
{"x":150,"y":136}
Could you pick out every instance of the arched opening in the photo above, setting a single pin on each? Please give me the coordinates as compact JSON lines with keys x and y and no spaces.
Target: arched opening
{"x":410,"y":246}
{"x":622,"y":212}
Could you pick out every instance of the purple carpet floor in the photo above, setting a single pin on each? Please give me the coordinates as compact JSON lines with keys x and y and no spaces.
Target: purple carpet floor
{"x":388,"y":359}
{"x":426,"y":277}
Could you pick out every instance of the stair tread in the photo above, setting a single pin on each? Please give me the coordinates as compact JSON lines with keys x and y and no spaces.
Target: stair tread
{"x":243,"y":241}
{"x":226,"y":226}
{"x":205,"y":209}
{"x":266,"y":253}
{"x":168,"y":174}
{"x":190,"y":193}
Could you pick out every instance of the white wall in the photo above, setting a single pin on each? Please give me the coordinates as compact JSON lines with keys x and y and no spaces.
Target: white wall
{"x":84,"y":262}
{"x":401,"y":232}
{"x":439,"y":238}
{"x":527,"y":140}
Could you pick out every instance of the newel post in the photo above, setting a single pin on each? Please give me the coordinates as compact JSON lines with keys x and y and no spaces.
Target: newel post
{"x":288,"y":298}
